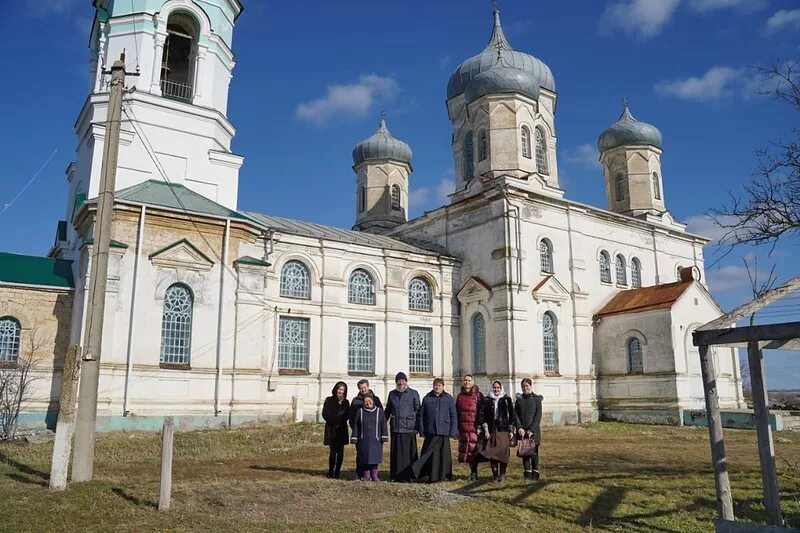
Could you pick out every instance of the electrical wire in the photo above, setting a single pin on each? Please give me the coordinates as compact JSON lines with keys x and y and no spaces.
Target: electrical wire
{"x":28,"y":184}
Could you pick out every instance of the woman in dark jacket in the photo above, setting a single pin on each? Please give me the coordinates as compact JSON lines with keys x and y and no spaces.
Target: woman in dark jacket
{"x":529,"y":415}
{"x":335,"y":412}
{"x":499,"y":424}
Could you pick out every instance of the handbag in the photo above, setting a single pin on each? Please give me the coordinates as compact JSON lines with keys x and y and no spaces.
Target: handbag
{"x":527,"y":448}
{"x":512,"y":441}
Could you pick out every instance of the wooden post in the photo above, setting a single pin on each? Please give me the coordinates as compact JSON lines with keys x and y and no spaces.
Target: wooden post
{"x":165,"y":491}
{"x":766,"y":451}
{"x":65,"y":427}
{"x":718,"y":459}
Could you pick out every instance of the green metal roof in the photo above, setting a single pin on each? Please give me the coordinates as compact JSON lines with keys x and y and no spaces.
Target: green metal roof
{"x":174,"y":196}
{"x":113,"y":244}
{"x":247,"y":260}
{"x":35,"y":270}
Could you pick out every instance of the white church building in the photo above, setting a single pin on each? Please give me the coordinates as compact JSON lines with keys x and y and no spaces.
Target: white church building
{"x":219,"y":316}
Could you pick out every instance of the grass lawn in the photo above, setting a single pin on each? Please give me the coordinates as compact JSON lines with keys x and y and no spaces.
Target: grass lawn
{"x":604,"y":476}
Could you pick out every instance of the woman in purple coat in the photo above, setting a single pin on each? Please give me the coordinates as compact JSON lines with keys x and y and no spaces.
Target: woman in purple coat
{"x":369,"y":434}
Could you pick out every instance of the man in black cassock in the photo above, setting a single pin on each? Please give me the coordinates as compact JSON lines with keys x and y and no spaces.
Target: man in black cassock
{"x":437,"y":422}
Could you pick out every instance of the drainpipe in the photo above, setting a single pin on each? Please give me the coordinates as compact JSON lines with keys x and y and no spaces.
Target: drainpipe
{"x":574,"y":318}
{"x":320,"y":391}
{"x":134,"y":283}
{"x":655,"y":258}
{"x":510,"y":279}
{"x":220,"y":315}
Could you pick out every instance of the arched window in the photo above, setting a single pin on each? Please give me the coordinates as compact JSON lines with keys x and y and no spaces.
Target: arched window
{"x":361,"y":288}
{"x":176,"y":325}
{"x":619,"y":187}
{"x":481,"y":145}
{"x":362,"y":199}
{"x":179,"y":57}
{"x":10,"y":330}
{"x":550,"y":342}
{"x":546,"y":256}
{"x":419,"y":295}
{"x":636,"y":273}
{"x":541,"y":153}
{"x":478,"y":344}
{"x":634,"y":351}
{"x":622,"y":270}
{"x":605,"y":267}
{"x":395,"y":196}
{"x":295,"y":280}
{"x":469,"y":158}
{"x":525,"y":137}
{"x":656,"y":187}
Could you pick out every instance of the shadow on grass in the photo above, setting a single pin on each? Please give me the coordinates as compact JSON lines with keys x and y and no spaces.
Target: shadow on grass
{"x":314,"y":472}
{"x":133,"y":499}
{"x":603,"y":506}
{"x":24,"y":479}
{"x":23,"y":468}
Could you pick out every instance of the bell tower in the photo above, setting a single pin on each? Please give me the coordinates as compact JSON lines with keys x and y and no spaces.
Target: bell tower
{"x":174,"y":120}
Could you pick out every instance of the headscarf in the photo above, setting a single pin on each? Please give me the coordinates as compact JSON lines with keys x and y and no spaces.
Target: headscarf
{"x":496,"y":399}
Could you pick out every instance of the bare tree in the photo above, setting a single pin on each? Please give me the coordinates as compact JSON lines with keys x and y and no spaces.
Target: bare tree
{"x":16,"y":382}
{"x":769,"y":208}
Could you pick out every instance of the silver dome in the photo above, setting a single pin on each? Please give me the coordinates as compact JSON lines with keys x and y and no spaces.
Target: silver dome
{"x":381,"y":145}
{"x":502,"y":79}
{"x":488,"y":58}
{"x":629,"y":131}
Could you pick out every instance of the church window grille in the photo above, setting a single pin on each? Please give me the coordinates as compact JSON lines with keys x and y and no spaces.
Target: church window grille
{"x":605,"y":267}
{"x":179,"y":57}
{"x":361,"y":288}
{"x":395,"y":196}
{"x":481,"y":145}
{"x":420,"y":350}
{"x":619,"y":187}
{"x":293,"y":343}
{"x":10,"y":331}
{"x":295,"y":280}
{"x":478,"y":343}
{"x":419,"y":295}
{"x":176,"y":325}
{"x":361,"y":347}
{"x":525,"y":137}
{"x":622,"y":270}
{"x":546,"y":256}
{"x":541,"y":153}
{"x":656,"y":187}
{"x":634,"y":352}
{"x":550,"y":342}
{"x":469,"y":157}
{"x":636,"y":273}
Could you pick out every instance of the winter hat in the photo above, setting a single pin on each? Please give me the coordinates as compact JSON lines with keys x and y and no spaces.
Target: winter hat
{"x":399,"y":376}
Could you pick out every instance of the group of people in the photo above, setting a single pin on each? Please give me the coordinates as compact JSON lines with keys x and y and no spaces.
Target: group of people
{"x":487,"y":427}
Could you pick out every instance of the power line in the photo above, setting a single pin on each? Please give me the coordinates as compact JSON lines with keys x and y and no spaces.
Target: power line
{"x":30,"y":181}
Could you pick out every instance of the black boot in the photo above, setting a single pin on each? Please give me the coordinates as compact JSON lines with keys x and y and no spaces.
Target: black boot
{"x":331,"y":464}
{"x":338,"y":468}
{"x":495,"y":472}
{"x":535,"y":473}
{"x":502,"y":476}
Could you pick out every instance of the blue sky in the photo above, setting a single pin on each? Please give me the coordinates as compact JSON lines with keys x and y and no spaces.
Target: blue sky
{"x":312,"y":77}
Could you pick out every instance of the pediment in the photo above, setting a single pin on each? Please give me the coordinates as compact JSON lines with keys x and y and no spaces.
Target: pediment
{"x":550,"y":289}
{"x":181,"y":254}
{"x":474,"y":290}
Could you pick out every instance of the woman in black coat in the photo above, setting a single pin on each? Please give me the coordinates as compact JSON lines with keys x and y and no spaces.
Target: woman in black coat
{"x":529,"y":415}
{"x":499,"y":425}
{"x":335,"y":412}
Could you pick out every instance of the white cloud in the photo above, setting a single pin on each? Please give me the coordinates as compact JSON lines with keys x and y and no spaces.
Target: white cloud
{"x":703,"y":6}
{"x":433,"y":197}
{"x":705,"y":226}
{"x":41,"y":8}
{"x":785,"y":19}
{"x":353,"y":99}
{"x":585,"y":155}
{"x":718,"y":83}
{"x":729,"y":278}
{"x":643,"y":18}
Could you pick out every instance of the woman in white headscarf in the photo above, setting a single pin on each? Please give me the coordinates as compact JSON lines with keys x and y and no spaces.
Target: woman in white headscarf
{"x":499,"y":423}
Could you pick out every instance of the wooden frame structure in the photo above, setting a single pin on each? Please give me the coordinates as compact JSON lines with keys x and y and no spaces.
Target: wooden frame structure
{"x":755,"y":338}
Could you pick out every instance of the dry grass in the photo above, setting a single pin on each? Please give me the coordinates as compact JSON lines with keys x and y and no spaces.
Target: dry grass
{"x":604,"y":476}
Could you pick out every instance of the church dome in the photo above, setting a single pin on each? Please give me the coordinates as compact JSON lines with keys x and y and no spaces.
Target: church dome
{"x":502,"y":79}
{"x":629,"y":131}
{"x":381,"y":145}
{"x":512,"y":59}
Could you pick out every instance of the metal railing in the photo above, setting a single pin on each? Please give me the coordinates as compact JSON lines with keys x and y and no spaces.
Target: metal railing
{"x":177,"y":90}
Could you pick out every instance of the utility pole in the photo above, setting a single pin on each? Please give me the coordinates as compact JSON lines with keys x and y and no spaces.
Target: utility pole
{"x":83,"y":461}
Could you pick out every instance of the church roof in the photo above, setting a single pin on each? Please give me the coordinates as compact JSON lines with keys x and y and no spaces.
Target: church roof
{"x":645,"y":299}
{"x":381,"y":145}
{"x":629,"y":131}
{"x":173,"y":196}
{"x":36,"y":270}
{"x":320,"y":231}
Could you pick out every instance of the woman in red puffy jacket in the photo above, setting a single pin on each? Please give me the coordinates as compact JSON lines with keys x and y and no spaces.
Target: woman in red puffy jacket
{"x":468,"y":407}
